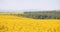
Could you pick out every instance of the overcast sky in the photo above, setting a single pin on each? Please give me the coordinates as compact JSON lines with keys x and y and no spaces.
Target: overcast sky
{"x":29,"y":4}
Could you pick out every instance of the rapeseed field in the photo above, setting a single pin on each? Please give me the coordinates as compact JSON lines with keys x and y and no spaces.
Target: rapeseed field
{"x":21,"y":24}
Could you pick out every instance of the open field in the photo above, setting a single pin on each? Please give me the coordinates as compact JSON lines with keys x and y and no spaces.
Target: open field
{"x":10,"y":23}
{"x":8,"y":13}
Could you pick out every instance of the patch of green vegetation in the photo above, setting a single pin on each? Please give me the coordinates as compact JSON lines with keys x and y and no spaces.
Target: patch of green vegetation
{"x":42,"y":15}
{"x":39,"y":14}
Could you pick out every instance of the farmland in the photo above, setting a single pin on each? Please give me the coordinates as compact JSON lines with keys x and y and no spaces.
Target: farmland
{"x":12,"y":23}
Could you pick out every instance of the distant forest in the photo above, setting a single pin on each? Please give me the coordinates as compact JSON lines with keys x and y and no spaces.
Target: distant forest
{"x":42,"y":15}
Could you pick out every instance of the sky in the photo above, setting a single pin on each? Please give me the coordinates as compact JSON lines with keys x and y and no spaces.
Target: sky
{"x":29,"y":4}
